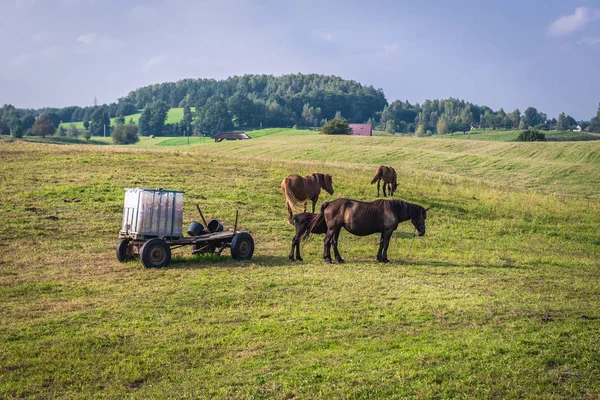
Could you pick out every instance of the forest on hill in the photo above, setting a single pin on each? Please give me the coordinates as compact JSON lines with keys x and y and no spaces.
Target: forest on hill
{"x":254,"y":101}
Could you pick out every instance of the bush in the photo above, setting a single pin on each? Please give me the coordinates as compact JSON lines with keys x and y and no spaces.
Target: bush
{"x":336,"y":127}
{"x":531,"y":136}
{"x":17,"y":132}
{"x":125,"y":134}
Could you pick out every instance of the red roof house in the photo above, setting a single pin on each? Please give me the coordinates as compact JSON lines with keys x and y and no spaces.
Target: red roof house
{"x":361,"y":129}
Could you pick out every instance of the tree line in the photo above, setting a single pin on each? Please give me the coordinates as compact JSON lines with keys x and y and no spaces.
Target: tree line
{"x":253,"y":101}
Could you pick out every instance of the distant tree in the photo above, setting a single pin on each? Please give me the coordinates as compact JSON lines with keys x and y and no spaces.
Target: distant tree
{"x":421,"y":131}
{"x":570,"y":122}
{"x":125,"y":134}
{"x":152,"y":120}
{"x":338,"y":115}
{"x":187,"y":119}
{"x":241,"y":109}
{"x":87,"y":134}
{"x":595,"y":122}
{"x":214,"y":117}
{"x":61,"y":131}
{"x":99,"y":121}
{"x":43,"y":126}
{"x":532,"y":117}
{"x":72,"y":131}
{"x":55,"y":119}
{"x":442,"y":126}
{"x":466,"y":116}
{"x":86,"y":125}
{"x":336,"y":127}
{"x":131,"y":122}
{"x":390,"y":126}
{"x":515,"y":118}
{"x":17,"y":132}
{"x":27,"y":122}
{"x":560,"y":122}
{"x":531,"y":135}
{"x":522,"y":124}
{"x":126,"y":108}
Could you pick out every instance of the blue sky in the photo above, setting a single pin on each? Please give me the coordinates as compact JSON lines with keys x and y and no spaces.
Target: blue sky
{"x":511,"y":54}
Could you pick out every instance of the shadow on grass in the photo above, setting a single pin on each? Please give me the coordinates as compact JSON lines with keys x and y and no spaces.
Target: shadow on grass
{"x":426,"y":264}
{"x":63,"y":140}
{"x":225,"y":261}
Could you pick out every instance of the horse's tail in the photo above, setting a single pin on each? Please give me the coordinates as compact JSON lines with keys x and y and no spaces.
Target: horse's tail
{"x":290,"y":198}
{"x":317,"y":220}
{"x":378,"y":175}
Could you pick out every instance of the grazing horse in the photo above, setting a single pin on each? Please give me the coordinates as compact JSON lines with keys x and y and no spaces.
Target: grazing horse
{"x":362,"y":219}
{"x":297,"y":189}
{"x":388,"y":175}
{"x":302,"y":222}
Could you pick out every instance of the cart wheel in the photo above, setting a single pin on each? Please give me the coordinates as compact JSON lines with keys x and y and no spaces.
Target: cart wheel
{"x":124,"y":250}
{"x":242,"y":246}
{"x":155,"y":253}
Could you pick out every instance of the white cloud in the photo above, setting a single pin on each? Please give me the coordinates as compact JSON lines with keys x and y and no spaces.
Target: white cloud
{"x":568,"y":24}
{"x":87,"y":38}
{"x":589,"y":41}
{"x":324,"y":36}
{"x":154,"y":62}
{"x":391,"y":48}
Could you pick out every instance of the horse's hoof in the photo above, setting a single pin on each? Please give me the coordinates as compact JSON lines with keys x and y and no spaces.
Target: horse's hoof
{"x":340,"y":261}
{"x":328,"y":260}
{"x":300,"y":259}
{"x":384,"y":260}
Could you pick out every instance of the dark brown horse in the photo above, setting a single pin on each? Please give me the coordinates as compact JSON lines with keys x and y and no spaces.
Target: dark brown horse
{"x":388,"y":175}
{"x":362,"y":219}
{"x":298,"y":190}
{"x":302,"y":222}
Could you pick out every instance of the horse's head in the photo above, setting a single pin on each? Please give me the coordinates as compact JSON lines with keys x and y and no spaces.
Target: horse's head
{"x":325,"y":182}
{"x":394,"y":187}
{"x":418,"y":220}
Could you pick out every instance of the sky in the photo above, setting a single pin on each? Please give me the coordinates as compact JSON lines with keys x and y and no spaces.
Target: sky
{"x":510,"y":54}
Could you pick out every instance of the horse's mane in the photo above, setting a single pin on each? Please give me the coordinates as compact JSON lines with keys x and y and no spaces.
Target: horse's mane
{"x":404,"y":209}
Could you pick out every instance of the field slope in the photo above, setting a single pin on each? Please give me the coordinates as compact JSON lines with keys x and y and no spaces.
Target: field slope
{"x":499,"y":299}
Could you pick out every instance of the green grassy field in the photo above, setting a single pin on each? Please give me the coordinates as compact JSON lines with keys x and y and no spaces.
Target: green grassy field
{"x":175,"y":115}
{"x":498,"y":300}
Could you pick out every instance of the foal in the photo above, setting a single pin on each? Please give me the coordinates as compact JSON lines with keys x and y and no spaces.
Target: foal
{"x":388,"y":175}
{"x":302,"y":223}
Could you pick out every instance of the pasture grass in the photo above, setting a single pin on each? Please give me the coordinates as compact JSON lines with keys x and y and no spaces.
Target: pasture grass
{"x":173,"y":116}
{"x":498,"y":300}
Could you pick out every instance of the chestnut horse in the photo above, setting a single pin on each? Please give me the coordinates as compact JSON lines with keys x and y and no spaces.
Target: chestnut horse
{"x":362,"y":219}
{"x":301,"y":223}
{"x":388,"y":175}
{"x":297,"y":190}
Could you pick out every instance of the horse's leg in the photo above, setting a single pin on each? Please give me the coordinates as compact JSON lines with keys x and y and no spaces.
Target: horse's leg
{"x":305,"y":203}
{"x":378,"y":182}
{"x":387,"y":235}
{"x":327,"y":246}
{"x":338,"y":258}
{"x":298,"y":250}
{"x":384,"y":185}
{"x":380,"y":247}
{"x":292,"y":251}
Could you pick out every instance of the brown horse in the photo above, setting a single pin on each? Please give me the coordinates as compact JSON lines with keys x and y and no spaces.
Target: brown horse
{"x":388,"y":175}
{"x":297,"y":189}
{"x":362,"y":219}
{"x":301,"y":223}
